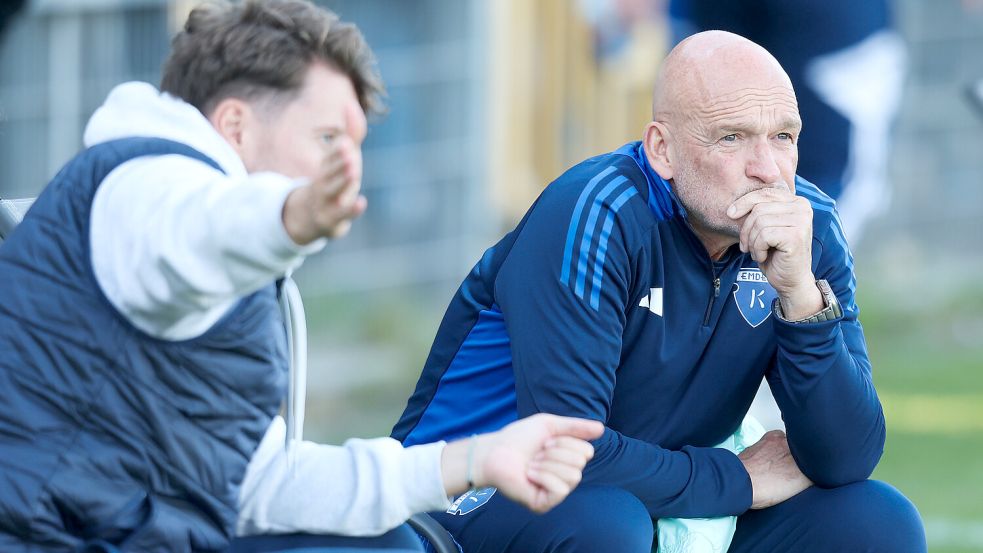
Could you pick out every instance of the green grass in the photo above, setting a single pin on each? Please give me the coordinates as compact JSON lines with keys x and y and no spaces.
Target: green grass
{"x":406,"y":323}
{"x":928,"y":369}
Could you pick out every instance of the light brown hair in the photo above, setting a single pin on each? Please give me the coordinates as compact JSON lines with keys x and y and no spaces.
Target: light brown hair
{"x":263,"y":48}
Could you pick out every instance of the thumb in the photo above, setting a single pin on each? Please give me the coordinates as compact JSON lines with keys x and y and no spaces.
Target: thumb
{"x":578,"y":428}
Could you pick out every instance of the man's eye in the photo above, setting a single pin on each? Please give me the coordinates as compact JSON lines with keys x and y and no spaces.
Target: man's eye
{"x":729,"y":138}
{"x":785,"y":136}
{"x":328,"y":138}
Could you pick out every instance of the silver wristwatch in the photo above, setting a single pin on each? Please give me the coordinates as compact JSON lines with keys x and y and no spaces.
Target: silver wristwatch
{"x":831,"y":312}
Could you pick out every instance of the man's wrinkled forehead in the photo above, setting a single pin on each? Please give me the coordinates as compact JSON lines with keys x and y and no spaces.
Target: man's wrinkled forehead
{"x":744,"y":106}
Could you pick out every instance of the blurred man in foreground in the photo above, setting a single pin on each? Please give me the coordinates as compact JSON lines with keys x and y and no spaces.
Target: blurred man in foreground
{"x":652,"y":288}
{"x":143,"y":354}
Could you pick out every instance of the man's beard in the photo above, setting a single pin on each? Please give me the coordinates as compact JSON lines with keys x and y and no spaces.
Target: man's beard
{"x":705,"y":209}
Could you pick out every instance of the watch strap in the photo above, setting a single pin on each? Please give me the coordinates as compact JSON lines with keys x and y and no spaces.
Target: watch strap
{"x":831,"y":312}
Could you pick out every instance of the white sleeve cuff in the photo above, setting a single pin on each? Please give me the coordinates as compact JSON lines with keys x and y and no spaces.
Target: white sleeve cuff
{"x":363,"y":488}
{"x":421,"y":468}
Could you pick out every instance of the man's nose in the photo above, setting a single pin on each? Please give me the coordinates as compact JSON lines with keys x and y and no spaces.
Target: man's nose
{"x":762,"y":164}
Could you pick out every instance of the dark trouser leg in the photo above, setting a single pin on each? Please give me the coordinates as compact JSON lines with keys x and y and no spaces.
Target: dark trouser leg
{"x":867,"y":517}
{"x":401,"y":539}
{"x":591,"y":520}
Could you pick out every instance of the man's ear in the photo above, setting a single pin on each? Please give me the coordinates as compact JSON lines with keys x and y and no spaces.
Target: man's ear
{"x":657,"y":149}
{"x":233,"y":119}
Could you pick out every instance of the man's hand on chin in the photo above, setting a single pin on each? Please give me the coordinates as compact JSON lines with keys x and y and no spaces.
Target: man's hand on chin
{"x":777,"y":232}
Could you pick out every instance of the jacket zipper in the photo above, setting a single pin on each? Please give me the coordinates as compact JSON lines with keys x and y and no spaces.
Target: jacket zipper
{"x":715,"y":280}
{"x":714,"y":296}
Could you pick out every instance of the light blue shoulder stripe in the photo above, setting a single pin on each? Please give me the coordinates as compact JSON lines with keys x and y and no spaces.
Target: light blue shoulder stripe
{"x":588,"y":239}
{"x":813,"y":194}
{"x":602,"y":246}
{"x":578,"y":211}
{"x":822,"y":202}
{"x":841,"y":240}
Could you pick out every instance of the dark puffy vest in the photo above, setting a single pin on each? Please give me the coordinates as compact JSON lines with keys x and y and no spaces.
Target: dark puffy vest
{"x":106,"y":433}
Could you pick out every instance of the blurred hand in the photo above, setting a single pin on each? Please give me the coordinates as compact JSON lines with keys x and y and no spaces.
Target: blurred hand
{"x":536,"y":461}
{"x":774,"y":474}
{"x":777,"y":232}
{"x":327,"y":205}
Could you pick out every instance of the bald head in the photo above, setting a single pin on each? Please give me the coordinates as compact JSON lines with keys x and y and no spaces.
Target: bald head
{"x":725,"y":123}
{"x":711,"y":68}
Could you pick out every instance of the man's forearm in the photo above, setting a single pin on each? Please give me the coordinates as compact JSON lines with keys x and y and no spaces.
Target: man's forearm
{"x":692,"y":482}
{"x":199,"y":242}
{"x":833,"y":417}
{"x":364,"y":487}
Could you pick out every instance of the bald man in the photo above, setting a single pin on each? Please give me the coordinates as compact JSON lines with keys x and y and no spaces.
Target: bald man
{"x":652,"y":288}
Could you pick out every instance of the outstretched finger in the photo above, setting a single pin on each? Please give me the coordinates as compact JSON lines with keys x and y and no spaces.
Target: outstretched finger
{"x":574,"y":457}
{"x":347,"y":193}
{"x":343,"y":219}
{"x":342,"y":167}
{"x":331,"y":182}
{"x":578,"y":428}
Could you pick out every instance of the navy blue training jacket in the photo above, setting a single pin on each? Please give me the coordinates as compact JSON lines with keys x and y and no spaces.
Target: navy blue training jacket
{"x":604,"y":304}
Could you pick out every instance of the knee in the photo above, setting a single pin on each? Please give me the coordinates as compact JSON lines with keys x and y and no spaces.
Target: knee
{"x":605,"y":519}
{"x":875,"y":517}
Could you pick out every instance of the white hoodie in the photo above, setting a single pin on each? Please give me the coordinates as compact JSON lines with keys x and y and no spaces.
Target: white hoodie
{"x":175,"y":244}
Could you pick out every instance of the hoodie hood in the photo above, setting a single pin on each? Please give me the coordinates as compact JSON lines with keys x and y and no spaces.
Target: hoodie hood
{"x":138,"y":109}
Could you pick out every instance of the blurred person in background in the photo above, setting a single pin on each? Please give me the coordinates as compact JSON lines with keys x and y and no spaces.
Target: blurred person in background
{"x":637,"y":290}
{"x":975,"y":88}
{"x":144,"y":354}
{"x":8,"y":10}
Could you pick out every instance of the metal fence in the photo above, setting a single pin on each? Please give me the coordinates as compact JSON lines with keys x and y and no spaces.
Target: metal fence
{"x":57,"y":62}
